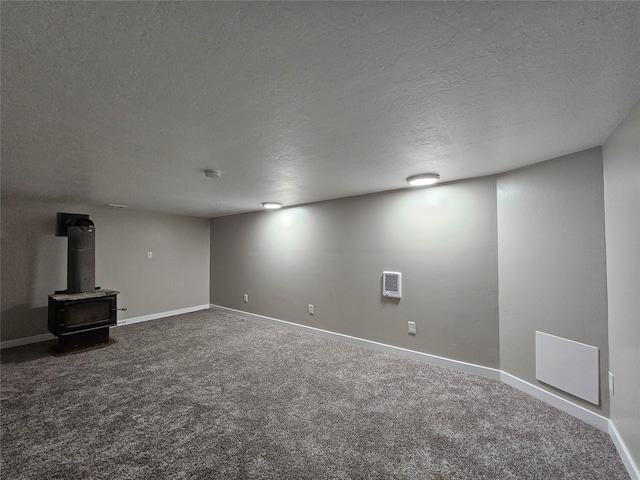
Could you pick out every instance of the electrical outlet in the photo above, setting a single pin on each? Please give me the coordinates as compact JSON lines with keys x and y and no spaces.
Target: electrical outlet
{"x":411,"y":327}
{"x":245,"y":297}
{"x":311,"y":312}
{"x":611,"y":385}
{"x":149,"y":254}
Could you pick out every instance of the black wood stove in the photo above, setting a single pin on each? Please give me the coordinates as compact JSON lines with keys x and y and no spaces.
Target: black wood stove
{"x":81,"y":315}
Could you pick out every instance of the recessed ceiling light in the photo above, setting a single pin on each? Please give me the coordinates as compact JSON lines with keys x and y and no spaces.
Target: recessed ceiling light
{"x":423,"y":179}
{"x":213,"y":173}
{"x":115,"y":205}
{"x":272,"y":205}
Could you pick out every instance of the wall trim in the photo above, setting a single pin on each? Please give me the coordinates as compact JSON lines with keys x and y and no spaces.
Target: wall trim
{"x":155,"y":316}
{"x":18,"y":342}
{"x":623,"y":451}
{"x":381,"y":347}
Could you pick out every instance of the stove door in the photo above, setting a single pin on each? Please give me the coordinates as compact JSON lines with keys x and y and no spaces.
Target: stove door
{"x":79,"y":315}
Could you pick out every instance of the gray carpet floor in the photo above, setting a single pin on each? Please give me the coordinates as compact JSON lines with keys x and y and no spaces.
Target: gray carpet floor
{"x":213,"y":395}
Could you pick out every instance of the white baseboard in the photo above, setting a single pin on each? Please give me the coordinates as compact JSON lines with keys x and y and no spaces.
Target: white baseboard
{"x":18,"y":342}
{"x":625,"y":455}
{"x":155,"y":316}
{"x":381,"y":347}
{"x":566,"y":406}
{"x":562,"y":404}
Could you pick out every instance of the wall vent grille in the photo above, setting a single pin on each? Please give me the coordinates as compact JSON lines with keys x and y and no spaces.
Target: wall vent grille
{"x":392,"y":284}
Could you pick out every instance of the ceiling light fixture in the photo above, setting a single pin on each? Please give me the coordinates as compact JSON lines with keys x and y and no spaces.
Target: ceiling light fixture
{"x":213,"y":173}
{"x":115,"y":205}
{"x":271,"y":205}
{"x":423,"y":179}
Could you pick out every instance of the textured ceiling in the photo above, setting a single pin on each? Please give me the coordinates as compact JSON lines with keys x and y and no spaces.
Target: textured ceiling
{"x":129,"y":103}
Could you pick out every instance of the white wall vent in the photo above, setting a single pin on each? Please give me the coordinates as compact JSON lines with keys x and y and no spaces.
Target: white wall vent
{"x":392,"y":284}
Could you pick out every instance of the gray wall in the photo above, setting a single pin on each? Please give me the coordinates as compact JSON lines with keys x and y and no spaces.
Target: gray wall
{"x":34,"y":261}
{"x":551,"y":253}
{"x":622,"y":209}
{"x":332,"y":254}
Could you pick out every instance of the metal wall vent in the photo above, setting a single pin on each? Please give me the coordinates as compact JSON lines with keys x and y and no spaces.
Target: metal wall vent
{"x":392,"y":284}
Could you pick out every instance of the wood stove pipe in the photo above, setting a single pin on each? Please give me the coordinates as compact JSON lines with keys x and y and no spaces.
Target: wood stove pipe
{"x":81,"y":263}
{"x":81,"y":251}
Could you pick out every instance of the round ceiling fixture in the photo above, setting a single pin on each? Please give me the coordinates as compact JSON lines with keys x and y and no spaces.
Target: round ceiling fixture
{"x":423,"y":179}
{"x":271,"y":205}
{"x":213,"y":173}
